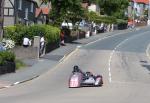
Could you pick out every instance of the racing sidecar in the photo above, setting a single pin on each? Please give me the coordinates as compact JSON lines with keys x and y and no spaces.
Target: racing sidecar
{"x":80,"y":79}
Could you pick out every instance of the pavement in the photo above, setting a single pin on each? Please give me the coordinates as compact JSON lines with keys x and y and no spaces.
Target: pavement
{"x":49,"y":61}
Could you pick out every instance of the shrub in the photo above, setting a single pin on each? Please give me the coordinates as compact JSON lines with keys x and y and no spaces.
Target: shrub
{"x":121,"y":21}
{"x":105,"y":19}
{"x":9,"y":32}
{"x":52,"y":34}
{"x":92,"y":16}
{"x":6,"y":56}
{"x":35,"y":30}
{"x":122,"y":24}
{"x":17,"y":32}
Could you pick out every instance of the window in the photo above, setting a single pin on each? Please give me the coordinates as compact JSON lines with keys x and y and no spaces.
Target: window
{"x":31,"y":10}
{"x":20,"y":5}
{"x":8,"y":11}
{"x":26,"y":13}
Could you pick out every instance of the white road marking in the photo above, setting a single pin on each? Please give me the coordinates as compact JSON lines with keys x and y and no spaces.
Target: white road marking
{"x":148,"y":51}
{"x":62,"y":58}
{"x":113,"y":52}
{"x":110,"y":36}
{"x":8,"y":86}
{"x":69,"y":55}
{"x":110,"y":59}
{"x":79,"y":46}
{"x":105,"y":38}
{"x":16,"y":83}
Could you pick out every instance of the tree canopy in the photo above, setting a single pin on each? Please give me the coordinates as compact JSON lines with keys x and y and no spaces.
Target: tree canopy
{"x":71,"y":10}
{"x":114,"y":8}
{"x":66,"y":10}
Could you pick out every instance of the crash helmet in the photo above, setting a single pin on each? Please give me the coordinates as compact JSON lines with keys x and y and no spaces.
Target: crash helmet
{"x":76,"y":68}
{"x":88,"y":74}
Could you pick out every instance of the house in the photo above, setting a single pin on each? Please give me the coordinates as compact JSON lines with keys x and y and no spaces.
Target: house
{"x":42,"y":12}
{"x":90,"y":6}
{"x":138,"y":12}
{"x":19,"y":11}
{"x":139,"y":6}
{"x":94,"y":8}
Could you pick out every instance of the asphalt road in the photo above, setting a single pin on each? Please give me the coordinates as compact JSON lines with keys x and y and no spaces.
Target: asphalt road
{"x":121,"y":59}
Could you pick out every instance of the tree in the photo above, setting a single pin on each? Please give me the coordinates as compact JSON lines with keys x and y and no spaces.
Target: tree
{"x":66,"y":10}
{"x":114,"y":8}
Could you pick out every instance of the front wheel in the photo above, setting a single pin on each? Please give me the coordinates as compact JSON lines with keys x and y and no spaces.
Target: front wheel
{"x":99,"y":81}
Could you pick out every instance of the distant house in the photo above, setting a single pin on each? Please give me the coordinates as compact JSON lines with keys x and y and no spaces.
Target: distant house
{"x":19,"y":11}
{"x":139,"y":6}
{"x":94,"y":8}
{"x":90,"y":6}
{"x":42,"y":12}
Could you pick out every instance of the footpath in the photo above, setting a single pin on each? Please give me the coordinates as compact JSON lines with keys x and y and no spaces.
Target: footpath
{"x":49,"y":61}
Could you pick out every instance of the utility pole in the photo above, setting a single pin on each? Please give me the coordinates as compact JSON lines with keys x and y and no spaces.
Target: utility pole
{"x":148,"y":22}
{"x":133,"y":13}
{"x":1,"y":17}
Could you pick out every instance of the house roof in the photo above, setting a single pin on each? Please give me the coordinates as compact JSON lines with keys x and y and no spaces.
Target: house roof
{"x":141,"y":1}
{"x":44,"y":10}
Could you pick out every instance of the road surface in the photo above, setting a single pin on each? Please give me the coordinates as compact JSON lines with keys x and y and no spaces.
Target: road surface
{"x":122,"y":60}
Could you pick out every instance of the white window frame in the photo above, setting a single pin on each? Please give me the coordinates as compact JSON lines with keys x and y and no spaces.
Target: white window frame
{"x":31,"y":8}
{"x":20,"y":5}
{"x":26,"y":13}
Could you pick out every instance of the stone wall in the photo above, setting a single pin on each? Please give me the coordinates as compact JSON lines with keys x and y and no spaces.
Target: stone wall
{"x":24,"y":53}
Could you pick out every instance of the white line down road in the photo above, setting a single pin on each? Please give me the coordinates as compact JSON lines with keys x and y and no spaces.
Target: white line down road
{"x":113,"y":52}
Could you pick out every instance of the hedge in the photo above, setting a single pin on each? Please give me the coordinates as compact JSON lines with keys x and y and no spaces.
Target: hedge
{"x":17,"y":32}
{"x":6,"y":56}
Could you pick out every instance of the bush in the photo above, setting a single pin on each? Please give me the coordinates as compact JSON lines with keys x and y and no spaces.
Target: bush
{"x":121,"y":21}
{"x":98,"y":19}
{"x":9,"y":32}
{"x":6,"y":56}
{"x":35,"y":30}
{"x":105,"y":19}
{"x":52,"y":34}
{"x":122,"y":24}
{"x":17,"y":32}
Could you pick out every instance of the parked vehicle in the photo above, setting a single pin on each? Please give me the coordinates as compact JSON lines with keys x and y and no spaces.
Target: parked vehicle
{"x":2,"y":48}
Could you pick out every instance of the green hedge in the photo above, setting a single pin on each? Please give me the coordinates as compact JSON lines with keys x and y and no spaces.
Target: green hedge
{"x":6,"y":56}
{"x":92,"y":16}
{"x":122,"y":24}
{"x":17,"y":32}
{"x":105,"y":19}
{"x":121,"y":21}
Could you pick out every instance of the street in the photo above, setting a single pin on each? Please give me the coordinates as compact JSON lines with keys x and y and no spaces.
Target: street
{"x":122,"y":60}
